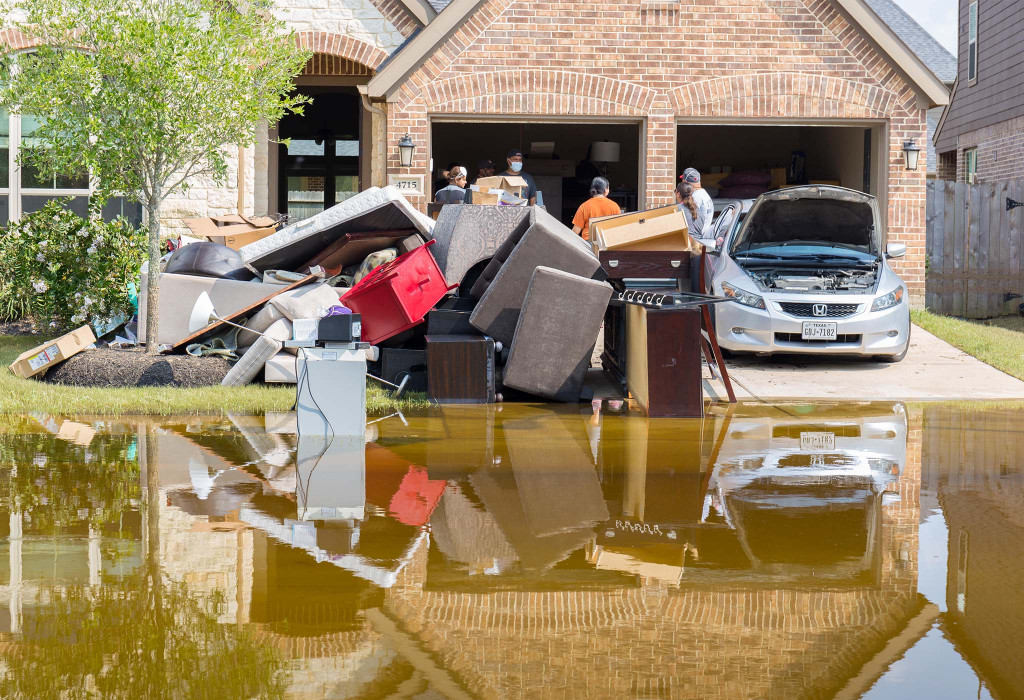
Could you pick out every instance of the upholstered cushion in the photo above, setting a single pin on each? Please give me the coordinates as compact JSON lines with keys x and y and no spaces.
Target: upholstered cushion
{"x":265,"y":347}
{"x":311,"y":301}
{"x":263,"y":319}
{"x":547,"y":242}
{"x":555,"y":335}
{"x":468,"y":234}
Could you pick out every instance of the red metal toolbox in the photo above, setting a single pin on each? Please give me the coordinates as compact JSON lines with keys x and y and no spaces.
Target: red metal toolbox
{"x":397,"y":295}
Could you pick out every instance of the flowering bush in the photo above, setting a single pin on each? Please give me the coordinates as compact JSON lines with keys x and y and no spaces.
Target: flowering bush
{"x":66,"y":270}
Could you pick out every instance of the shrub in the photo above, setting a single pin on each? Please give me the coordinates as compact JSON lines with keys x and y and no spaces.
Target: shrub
{"x":65,"y":271}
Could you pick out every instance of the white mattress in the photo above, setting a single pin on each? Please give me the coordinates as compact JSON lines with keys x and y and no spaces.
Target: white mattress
{"x":365,"y":201}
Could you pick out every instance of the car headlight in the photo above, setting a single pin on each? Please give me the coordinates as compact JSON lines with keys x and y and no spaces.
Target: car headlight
{"x":893,"y":298}
{"x":745,"y":298}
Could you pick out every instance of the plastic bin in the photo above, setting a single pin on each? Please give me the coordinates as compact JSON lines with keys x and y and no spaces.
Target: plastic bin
{"x":397,"y":295}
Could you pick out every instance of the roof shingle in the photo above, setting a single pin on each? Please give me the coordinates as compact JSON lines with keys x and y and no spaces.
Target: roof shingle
{"x":938,"y":60}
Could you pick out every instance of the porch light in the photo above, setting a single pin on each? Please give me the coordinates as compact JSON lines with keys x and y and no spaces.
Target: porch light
{"x":911,"y":154}
{"x":405,"y":149}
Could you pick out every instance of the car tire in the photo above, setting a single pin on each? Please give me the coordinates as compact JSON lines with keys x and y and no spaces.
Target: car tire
{"x":895,"y":358}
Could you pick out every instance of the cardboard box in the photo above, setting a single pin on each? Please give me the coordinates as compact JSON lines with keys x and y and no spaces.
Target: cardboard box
{"x":489,"y":190}
{"x":232,"y":230}
{"x":713,"y":179}
{"x":778,"y":178}
{"x":653,"y":230}
{"x":43,"y":357}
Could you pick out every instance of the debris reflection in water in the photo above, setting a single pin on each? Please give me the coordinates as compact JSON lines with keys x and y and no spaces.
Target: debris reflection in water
{"x":841,"y":550}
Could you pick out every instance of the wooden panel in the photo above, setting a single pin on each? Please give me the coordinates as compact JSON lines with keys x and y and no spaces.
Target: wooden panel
{"x":646,"y":265}
{"x":460,"y":369}
{"x":664,"y":361}
{"x":960,"y":243}
{"x":933,"y":240}
{"x":971,"y":246}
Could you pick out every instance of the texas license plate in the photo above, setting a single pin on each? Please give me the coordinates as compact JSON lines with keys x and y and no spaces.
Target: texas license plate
{"x":817,"y":442}
{"x":818,"y":330}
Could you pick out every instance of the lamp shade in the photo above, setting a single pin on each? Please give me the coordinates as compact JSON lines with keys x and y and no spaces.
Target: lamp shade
{"x":912,"y":154}
{"x":604,"y":152}
{"x":203,"y":313}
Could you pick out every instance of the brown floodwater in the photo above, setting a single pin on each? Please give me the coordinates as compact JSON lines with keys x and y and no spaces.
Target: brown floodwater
{"x":851,"y":550}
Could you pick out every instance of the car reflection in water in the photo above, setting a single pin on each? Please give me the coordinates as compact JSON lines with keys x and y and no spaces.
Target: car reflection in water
{"x":785,"y":496}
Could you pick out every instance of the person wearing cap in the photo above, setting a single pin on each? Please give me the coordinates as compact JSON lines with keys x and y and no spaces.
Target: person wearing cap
{"x":705,"y":207}
{"x":484,"y":168}
{"x":455,"y":191}
{"x":515,"y":169}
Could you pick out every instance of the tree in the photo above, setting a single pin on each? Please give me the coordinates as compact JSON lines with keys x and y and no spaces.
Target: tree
{"x":147,"y":94}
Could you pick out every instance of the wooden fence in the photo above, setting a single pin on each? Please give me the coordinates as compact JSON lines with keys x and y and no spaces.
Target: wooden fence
{"x":974,"y":246}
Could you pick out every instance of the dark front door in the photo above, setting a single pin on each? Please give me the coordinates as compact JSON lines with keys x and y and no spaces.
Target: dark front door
{"x":319,"y":153}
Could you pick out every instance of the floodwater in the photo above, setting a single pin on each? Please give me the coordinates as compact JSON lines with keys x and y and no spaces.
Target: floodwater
{"x":522,"y":551}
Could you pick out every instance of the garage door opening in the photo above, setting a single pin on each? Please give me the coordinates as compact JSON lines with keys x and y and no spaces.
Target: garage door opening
{"x":559,"y":156}
{"x":740,"y":161}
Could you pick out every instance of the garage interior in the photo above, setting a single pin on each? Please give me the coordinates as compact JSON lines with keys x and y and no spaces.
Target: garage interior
{"x":558,"y":156}
{"x":786,"y":154}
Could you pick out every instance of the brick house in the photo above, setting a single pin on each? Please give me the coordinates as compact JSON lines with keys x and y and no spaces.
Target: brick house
{"x":825,"y":87}
{"x":981,"y":134}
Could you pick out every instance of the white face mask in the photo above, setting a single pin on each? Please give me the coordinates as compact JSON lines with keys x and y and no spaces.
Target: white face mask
{"x":516,"y":167}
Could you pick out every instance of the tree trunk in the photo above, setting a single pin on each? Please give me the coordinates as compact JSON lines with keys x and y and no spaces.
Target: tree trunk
{"x":153,"y":276}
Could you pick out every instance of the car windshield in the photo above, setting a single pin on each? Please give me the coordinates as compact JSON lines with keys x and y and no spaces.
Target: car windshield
{"x":809,"y":227}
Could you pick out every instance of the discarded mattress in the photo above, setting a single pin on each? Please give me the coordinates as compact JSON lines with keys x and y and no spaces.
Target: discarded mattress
{"x":206,"y":259}
{"x":468,"y":234}
{"x":373,"y":210}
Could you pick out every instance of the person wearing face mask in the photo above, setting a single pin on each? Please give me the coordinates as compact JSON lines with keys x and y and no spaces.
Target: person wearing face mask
{"x":515,"y":169}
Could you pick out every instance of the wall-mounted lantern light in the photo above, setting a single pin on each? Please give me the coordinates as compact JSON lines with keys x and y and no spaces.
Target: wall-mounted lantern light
{"x":911,"y":154}
{"x":405,"y":149}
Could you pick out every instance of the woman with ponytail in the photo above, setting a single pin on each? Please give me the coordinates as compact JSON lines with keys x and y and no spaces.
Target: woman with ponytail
{"x":598,"y":205}
{"x":455,"y":192}
{"x":685,"y":204}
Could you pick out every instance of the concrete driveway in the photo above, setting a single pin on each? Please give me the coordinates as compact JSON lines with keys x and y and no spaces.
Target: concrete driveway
{"x":933,"y":370}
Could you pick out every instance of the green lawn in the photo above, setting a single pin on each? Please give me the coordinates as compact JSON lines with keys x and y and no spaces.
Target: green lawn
{"x":998,"y":341}
{"x":29,"y":395}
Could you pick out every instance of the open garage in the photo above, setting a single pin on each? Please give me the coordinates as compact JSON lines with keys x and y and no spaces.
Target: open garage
{"x":741,"y":160}
{"x":562,"y":157}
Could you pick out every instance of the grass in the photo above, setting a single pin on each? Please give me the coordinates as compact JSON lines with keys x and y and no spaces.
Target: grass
{"x":30,"y":395}
{"x":998,"y":341}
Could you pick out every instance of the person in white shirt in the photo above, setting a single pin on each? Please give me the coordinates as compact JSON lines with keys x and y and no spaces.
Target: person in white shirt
{"x":705,"y":207}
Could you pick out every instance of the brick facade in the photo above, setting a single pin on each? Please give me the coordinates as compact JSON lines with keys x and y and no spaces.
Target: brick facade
{"x":1000,"y":153}
{"x":659,"y":63}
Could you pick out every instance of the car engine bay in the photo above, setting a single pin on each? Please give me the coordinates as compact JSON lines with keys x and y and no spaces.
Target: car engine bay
{"x":853,"y":280}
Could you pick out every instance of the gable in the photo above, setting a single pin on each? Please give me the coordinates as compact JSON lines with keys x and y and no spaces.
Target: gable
{"x":653,"y":44}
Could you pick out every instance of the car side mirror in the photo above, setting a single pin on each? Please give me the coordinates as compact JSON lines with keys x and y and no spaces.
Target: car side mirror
{"x":896,"y":250}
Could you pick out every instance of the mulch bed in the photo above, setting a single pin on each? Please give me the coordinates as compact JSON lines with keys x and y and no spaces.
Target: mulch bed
{"x":16,"y":328}
{"x":107,"y":367}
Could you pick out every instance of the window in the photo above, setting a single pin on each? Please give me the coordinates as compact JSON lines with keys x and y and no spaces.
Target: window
{"x":972,"y":42}
{"x":971,"y":165}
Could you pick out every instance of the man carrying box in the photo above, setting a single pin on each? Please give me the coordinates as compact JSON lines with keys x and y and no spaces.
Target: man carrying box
{"x":515,"y":169}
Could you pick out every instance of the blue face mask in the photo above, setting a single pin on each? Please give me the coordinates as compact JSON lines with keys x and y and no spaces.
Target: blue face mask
{"x":516,"y":167}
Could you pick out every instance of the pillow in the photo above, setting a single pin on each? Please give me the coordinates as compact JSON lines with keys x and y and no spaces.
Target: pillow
{"x":747,"y":177}
{"x":263,"y":319}
{"x":311,"y":301}
{"x":373,"y":261}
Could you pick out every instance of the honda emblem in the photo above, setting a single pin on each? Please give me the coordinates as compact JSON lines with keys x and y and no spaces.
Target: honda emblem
{"x":819,"y":310}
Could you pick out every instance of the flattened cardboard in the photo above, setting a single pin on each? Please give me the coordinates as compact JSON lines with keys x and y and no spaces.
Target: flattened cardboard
{"x":232,"y":230}
{"x":42,"y":357}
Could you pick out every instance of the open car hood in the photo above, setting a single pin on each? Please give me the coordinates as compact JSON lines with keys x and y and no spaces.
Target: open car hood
{"x":831,"y":215}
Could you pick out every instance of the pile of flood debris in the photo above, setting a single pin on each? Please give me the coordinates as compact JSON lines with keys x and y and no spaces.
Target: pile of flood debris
{"x":487,"y":301}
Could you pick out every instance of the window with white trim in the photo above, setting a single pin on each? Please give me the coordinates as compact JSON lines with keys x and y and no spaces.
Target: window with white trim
{"x":971,"y":165}
{"x":972,"y":42}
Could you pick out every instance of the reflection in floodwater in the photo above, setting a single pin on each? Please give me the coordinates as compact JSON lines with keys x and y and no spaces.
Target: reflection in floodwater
{"x":846,"y":550}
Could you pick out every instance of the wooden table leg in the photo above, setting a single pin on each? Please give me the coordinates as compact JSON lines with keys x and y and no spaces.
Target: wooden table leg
{"x":710,"y":328}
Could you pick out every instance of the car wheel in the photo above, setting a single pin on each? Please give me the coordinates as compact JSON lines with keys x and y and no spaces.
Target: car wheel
{"x":895,"y":358}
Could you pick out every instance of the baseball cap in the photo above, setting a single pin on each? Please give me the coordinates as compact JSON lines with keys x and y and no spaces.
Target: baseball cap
{"x":690,"y":175}
{"x":513,"y":152}
{"x":484,"y":164}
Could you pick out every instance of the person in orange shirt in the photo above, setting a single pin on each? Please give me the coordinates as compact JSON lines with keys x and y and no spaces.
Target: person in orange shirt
{"x":597,"y":206}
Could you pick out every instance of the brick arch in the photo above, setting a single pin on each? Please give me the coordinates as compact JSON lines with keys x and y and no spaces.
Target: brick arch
{"x":782,"y":95}
{"x":342,"y":45}
{"x":537,"y":92}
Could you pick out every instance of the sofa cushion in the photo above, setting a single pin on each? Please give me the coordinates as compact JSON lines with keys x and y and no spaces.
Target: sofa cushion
{"x":547,"y":242}
{"x":555,"y":335}
{"x":265,"y":347}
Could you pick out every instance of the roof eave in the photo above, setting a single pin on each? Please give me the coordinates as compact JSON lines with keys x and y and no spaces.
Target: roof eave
{"x":915,"y":70}
{"x":422,"y":10}
{"x":386,"y":83}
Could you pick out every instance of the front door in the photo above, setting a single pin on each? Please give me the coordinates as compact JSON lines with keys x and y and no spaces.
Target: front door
{"x":319,"y":153}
